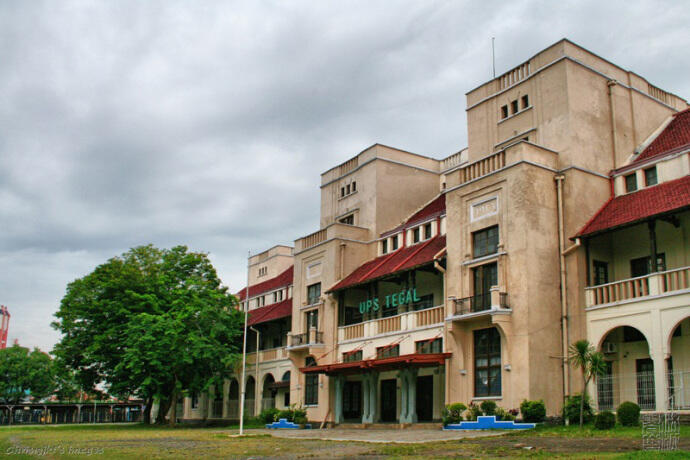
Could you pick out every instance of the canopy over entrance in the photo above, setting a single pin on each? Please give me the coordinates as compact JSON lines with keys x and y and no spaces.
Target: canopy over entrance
{"x":414,"y":360}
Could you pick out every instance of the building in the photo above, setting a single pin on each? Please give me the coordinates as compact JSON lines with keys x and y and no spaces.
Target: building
{"x":4,"y":326}
{"x":456,"y":280}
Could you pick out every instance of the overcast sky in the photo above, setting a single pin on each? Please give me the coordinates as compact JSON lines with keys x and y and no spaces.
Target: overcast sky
{"x":208,"y":123}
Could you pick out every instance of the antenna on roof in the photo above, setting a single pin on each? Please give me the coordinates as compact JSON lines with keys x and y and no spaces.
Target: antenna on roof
{"x":493,"y":54}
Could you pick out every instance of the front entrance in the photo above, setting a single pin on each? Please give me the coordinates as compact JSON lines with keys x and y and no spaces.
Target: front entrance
{"x":425,"y":398}
{"x":352,"y":401}
{"x":389,"y":395}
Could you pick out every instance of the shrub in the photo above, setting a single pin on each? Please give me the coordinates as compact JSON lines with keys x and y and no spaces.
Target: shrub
{"x":298,"y":412}
{"x":628,"y":414}
{"x":604,"y":420}
{"x":533,"y":411}
{"x":287,"y":414}
{"x":300,"y":420}
{"x":488,"y":407}
{"x":502,"y":414}
{"x":269,"y":415}
{"x":473,"y":411}
{"x":571,"y":410}
{"x":452,"y":413}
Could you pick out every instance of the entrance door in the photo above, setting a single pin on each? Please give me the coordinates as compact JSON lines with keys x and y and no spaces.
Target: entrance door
{"x":352,"y":400}
{"x":425,"y":398}
{"x":645,"y":383}
{"x":389,"y":395}
{"x":485,"y":276}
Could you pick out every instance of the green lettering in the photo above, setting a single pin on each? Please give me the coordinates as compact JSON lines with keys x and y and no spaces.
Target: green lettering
{"x":362,"y":307}
{"x":416,"y":299}
{"x":394,"y":300}
{"x":376,"y":304}
{"x":369,"y":304}
{"x":388,"y":301}
{"x":408,"y":298}
{"x":401,"y":298}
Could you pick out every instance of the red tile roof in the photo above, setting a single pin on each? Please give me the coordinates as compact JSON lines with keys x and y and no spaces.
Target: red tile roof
{"x":674,"y":138}
{"x":270,"y":312}
{"x":280,"y":281}
{"x":382,"y":364}
{"x":638,"y":206}
{"x":404,"y":258}
{"x":435,"y":208}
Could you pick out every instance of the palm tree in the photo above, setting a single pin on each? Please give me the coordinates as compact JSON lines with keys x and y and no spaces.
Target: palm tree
{"x":591,"y":363}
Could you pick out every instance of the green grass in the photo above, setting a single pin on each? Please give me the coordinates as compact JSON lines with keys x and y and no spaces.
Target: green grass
{"x":155,"y":442}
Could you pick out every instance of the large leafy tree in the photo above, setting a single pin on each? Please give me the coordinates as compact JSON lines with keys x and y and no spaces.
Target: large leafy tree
{"x":24,"y":373}
{"x":152,"y":322}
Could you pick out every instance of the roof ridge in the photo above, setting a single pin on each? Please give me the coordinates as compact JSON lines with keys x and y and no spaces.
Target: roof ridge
{"x":421,"y":246}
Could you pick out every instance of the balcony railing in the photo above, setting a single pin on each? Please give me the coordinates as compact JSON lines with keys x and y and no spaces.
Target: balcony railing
{"x":313,"y":337}
{"x":482,"y":167}
{"x":398,"y":323}
{"x":642,"y":286}
{"x":267,"y":355}
{"x":481,"y":302}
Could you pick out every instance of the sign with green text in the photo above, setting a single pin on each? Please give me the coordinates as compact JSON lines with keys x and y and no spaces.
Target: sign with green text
{"x":403,"y":297}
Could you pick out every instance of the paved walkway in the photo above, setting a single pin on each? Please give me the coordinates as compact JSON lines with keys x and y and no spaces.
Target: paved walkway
{"x":379,"y":435}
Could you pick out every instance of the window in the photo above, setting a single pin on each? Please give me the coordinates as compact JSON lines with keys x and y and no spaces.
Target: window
{"x":195,"y":401}
{"x":349,"y":220}
{"x":650,"y":176}
{"x":313,"y":293}
{"x":384,"y":246}
{"x":427,"y":231}
{"x":487,"y":362}
{"x":429,"y":346}
{"x":642,"y":265}
{"x":263,"y":271}
{"x":311,"y":384}
{"x":504,"y":111}
{"x":525,"y":101}
{"x":394,"y":243}
{"x":514,"y":106}
{"x":347,"y":189}
{"x":485,"y":276}
{"x":415,"y":235}
{"x":354,"y":186}
{"x":352,"y":356}
{"x":630,"y":183}
{"x":388,"y":351}
{"x":485,"y":241}
{"x":342,"y":191}
{"x":286,"y":399}
{"x":601,"y":272}
{"x":312,"y":319}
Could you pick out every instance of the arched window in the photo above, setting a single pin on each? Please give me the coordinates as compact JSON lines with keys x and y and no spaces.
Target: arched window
{"x":311,"y":384}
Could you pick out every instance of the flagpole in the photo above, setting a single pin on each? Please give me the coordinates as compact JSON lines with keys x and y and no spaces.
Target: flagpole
{"x":244,"y":350}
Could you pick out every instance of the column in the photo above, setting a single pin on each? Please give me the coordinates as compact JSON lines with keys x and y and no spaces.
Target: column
{"x":365,"y":398}
{"x":373,"y":400}
{"x":660,"y":382}
{"x":412,"y":395}
{"x":339,"y":382}
{"x":402,"y":376}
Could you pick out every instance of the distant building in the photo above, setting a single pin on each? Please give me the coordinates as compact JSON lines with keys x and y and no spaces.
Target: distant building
{"x":4,"y":326}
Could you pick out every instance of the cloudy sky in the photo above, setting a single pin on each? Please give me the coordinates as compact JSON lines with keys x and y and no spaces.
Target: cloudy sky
{"x":208,"y":123}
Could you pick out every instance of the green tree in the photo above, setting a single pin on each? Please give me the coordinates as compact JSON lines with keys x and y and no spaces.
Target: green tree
{"x":153,"y":323}
{"x":24,"y":373}
{"x":591,"y":364}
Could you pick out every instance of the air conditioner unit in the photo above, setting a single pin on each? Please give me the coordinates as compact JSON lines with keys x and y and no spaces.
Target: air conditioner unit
{"x":609,"y":347}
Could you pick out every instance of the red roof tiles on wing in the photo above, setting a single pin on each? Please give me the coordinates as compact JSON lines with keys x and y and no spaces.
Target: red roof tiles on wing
{"x":270,"y":312}
{"x":403,"y":259}
{"x":280,"y":281}
{"x":435,"y":208}
{"x":640,"y":205}
{"x":674,"y":138}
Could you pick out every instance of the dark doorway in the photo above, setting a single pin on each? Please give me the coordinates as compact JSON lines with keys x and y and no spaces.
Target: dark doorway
{"x":645,"y":383}
{"x":352,"y":400}
{"x":389,"y":395}
{"x":425,"y":398}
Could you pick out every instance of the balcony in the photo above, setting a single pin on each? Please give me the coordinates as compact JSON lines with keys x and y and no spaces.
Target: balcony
{"x":306,"y":340}
{"x":271,"y":354}
{"x":392,"y":324}
{"x":490,"y":303}
{"x":632,"y":289}
{"x":333,"y":231}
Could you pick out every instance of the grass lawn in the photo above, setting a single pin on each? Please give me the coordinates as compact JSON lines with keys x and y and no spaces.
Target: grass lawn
{"x":140,"y":441}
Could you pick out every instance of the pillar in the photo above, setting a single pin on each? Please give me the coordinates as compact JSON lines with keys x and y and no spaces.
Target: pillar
{"x":412,"y":395}
{"x":369,"y":389}
{"x":660,"y":382}
{"x":339,"y":382}
{"x":402,"y":376}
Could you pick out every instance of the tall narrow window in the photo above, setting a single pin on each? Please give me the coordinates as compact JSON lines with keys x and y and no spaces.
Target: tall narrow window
{"x":485,"y":241}
{"x":354,"y":186}
{"x":630,"y":182}
{"x":514,"y":106}
{"x":487,"y":362}
{"x":394,"y":243}
{"x":311,"y":384}
{"x":650,"y":176}
{"x":427,"y":231}
{"x":504,"y":111}
{"x":485,"y":276}
{"x":384,"y":246}
{"x":415,"y":235}
{"x":312,"y":319}
{"x":525,"y":101}
{"x":601,"y":272}
{"x":313,"y":293}
{"x":342,"y":191}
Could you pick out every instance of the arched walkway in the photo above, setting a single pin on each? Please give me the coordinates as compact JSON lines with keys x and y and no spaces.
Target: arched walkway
{"x":678,"y":365}
{"x":630,"y":374}
{"x":268,"y":393}
{"x":250,"y":395}
{"x":233,"y":411}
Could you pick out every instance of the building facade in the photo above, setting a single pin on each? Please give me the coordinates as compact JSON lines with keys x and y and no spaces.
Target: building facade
{"x":465,"y":279}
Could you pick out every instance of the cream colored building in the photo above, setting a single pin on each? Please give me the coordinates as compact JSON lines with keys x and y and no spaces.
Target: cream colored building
{"x":456,"y":280}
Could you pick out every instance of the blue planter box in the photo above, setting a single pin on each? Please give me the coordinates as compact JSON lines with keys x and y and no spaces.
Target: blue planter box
{"x":284,"y":424}
{"x":489,"y":422}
